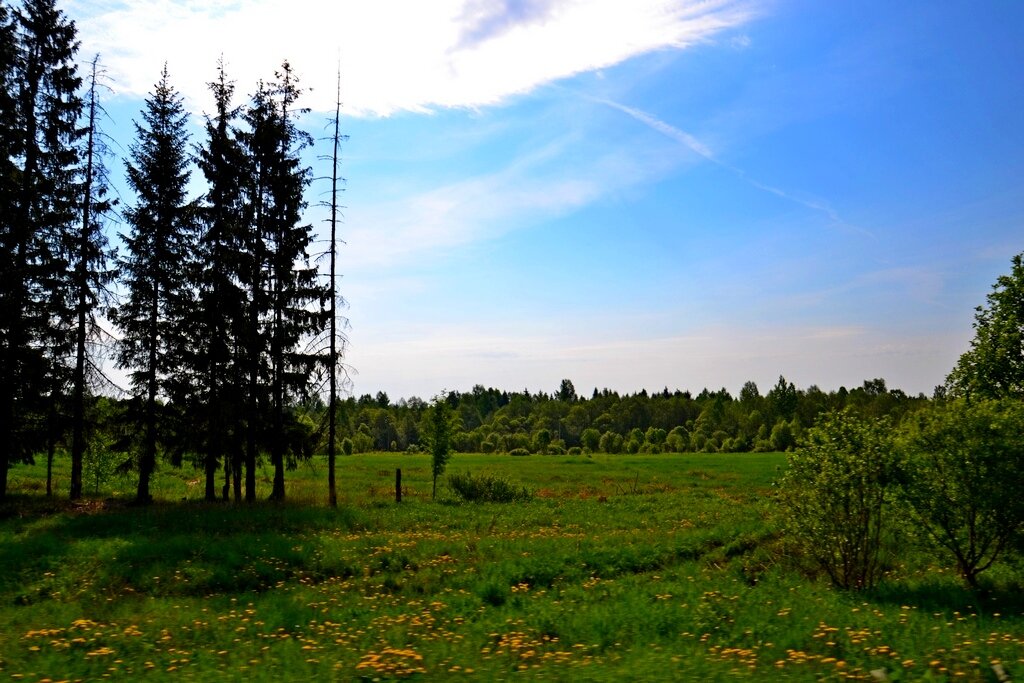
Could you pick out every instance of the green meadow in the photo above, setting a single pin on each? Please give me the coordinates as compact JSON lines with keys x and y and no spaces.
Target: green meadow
{"x":642,"y":567}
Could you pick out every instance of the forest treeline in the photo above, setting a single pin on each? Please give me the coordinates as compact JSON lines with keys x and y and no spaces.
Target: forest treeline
{"x":489,"y":420}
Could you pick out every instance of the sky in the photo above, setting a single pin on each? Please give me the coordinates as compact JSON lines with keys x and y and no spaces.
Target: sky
{"x":632,"y":195}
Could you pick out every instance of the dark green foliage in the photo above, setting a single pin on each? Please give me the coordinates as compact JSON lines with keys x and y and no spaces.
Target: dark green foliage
{"x":158,"y":268}
{"x":279,"y":278}
{"x":487,"y":488}
{"x":39,"y":134}
{"x":837,"y":496}
{"x":965,"y":477}
{"x":994,"y":365}
{"x":220,"y":323}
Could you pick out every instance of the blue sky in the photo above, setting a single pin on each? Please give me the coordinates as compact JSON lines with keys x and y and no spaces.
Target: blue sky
{"x":637,"y":195}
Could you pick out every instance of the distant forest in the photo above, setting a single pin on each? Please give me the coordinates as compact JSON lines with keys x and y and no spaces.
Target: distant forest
{"x":494,"y":421}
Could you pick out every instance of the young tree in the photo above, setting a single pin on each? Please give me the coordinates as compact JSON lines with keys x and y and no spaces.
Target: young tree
{"x":89,"y":274}
{"x":994,"y":365}
{"x":964,"y":478}
{"x":836,"y":495}
{"x":439,"y":436}
{"x":157,"y":269}
{"x":40,"y":106}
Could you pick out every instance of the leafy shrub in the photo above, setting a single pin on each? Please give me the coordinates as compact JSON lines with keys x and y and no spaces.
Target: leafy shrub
{"x":611,"y":442}
{"x":836,"y":494}
{"x":964,"y":479}
{"x":519,"y":451}
{"x":346,"y":446}
{"x":575,"y":450}
{"x":487,"y":488}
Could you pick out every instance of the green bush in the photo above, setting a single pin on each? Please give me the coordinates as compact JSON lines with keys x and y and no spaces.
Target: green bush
{"x":964,"y":479}
{"x":487,"y":488}
{"x":519,"y":451}
{"x":836,"y":495}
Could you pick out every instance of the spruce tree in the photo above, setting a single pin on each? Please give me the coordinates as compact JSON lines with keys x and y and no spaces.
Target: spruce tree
{"x":221,"y":300}
{"x":158,"y":267}
{"x":39,"y":109}
{"x":287,"y":302}
{"x":297,"y":298}
{"x":259,"y":149}
{"x":10,"y":144}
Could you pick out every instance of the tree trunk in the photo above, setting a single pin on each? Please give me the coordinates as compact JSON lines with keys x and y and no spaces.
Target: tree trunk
{"x":49,"y":473}
{"x":82,"y":288}
{"x":213,"y":440}
{"x":332,"y":493}
{"x":147,"y":462}
{"x":250,"y":445}
{"x":277,"y":440}
{"x":236,"y":471}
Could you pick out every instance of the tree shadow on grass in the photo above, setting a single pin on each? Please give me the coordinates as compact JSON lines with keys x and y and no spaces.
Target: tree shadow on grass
{"x":947,"y":594}
{"x":51,"y":548}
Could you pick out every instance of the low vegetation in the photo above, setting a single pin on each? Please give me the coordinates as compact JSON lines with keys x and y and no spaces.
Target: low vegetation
{"x":487,"y":488}
{"x":641,"y":567}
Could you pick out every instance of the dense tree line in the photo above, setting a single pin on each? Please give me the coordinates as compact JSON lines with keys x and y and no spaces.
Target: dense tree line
{"x":491,"y":420}
{"x":216,"y":298}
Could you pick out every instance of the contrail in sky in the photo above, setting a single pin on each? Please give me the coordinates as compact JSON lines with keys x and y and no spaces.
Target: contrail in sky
{"x":699,"y":148}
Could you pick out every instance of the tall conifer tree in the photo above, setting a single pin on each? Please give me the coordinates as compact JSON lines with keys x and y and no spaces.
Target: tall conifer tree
{"x":287,"y":301}
{"x":40,"y":108}
{"x":158,"y":268}
{"x":221,"y":300}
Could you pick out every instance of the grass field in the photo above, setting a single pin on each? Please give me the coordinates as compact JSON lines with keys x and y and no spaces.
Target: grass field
{"x":665,"y":567}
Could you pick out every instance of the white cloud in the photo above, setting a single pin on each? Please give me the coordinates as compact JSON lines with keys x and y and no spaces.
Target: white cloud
{"x":395,"y":54}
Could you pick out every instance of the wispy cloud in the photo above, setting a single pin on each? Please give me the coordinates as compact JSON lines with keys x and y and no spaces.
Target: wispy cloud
{"x":699,"y":148}
{"x":396,"y":54}
{"x":534,"y":187}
